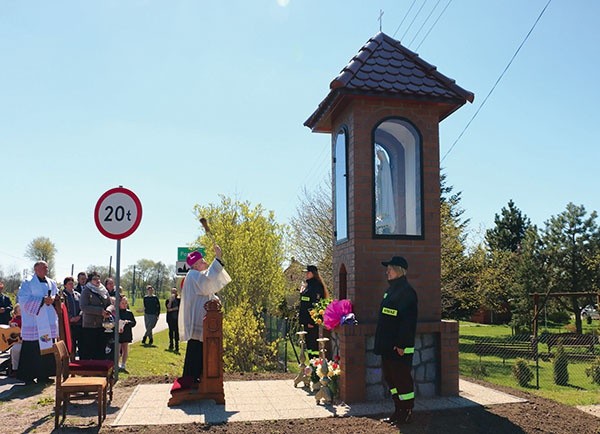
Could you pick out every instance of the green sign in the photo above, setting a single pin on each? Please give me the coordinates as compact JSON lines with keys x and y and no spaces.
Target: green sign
{"x":182,"y":252}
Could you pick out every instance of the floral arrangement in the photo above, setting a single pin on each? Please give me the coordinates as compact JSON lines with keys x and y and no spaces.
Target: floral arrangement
{"x":338,"y":312}
{"x":316,"y":372}
{"x":316,"y":313}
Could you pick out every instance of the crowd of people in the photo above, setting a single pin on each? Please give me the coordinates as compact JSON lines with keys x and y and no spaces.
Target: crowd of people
{"x":91,"y":306}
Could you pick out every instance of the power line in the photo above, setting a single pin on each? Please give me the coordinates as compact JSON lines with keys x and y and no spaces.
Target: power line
{"x":497,"y":81}
{"x":406,"y":15}
{"x":424,"y":22}
{"x":413,"y":20}
{"x":433,"y":25}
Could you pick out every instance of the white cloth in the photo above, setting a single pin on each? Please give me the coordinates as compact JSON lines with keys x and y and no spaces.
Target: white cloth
{"x":31,"y":297}
{"x":198,"y":288}
{"x":385,"y":207}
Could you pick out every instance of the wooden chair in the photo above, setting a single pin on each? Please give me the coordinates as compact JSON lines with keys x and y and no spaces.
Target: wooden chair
{"x":84,"y":368}
{"x":67,"y":386}
{"x":95,"y":368}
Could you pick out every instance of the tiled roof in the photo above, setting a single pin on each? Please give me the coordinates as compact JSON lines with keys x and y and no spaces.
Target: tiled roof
{"x":385,"y":68}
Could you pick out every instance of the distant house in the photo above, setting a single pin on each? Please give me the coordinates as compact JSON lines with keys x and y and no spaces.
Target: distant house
{"x":484,"y":315}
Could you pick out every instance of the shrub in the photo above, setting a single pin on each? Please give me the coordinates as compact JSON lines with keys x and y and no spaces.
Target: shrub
{"x":479,"y":370}
{"x":559,"y":317}
{"x":561,"y":367}
{"x":594,"y":371}
{"x":522,"y":372}
{"x":245,"y":349}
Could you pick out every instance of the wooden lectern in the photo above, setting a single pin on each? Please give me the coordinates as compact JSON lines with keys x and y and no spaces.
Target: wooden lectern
{"x":211,"y":383}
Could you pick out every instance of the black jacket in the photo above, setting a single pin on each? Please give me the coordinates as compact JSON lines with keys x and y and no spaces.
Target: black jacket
{"x":127,"y":335}
{"x":7,"y":305}
{"x":397,"y":322}
{"x":151,"y":305}
{"x":313,"y":292}
{"x":173,"y":315}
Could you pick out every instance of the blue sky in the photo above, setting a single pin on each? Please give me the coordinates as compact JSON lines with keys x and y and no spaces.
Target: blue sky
{"x":181,"y":101}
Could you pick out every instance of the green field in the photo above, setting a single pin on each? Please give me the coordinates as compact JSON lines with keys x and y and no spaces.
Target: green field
{"x":579,"y":391}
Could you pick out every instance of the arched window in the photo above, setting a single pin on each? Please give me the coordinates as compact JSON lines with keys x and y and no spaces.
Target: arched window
{"x":340,"y":182}
{"x":397,"y":170}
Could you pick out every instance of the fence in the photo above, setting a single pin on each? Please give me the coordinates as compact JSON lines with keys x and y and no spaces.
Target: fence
{"x":554,"y":359}
{"x":282,"y":330}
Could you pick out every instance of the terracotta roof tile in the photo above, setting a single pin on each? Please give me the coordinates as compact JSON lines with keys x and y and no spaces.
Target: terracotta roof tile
{"x":384,"y":67}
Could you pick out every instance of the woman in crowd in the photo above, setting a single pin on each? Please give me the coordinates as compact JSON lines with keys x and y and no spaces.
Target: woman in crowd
{"x":94,"y":303}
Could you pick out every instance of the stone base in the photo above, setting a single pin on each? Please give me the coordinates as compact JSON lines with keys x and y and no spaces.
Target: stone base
{"x":435,"y":364}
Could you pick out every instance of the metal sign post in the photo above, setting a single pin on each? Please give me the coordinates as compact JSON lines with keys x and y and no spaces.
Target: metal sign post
{"x":118,"y":214}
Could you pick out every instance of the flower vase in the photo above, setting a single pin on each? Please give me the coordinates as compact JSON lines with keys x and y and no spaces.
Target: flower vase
{"x":315,"y":386}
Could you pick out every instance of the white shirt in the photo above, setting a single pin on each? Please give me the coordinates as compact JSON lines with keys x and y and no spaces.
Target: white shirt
{"x":31,"y":298}
{"x":198,"y":288}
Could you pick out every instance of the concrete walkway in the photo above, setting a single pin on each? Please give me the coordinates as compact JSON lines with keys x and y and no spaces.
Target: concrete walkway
{"x":140,"y":328}
{"x":270,"y":400}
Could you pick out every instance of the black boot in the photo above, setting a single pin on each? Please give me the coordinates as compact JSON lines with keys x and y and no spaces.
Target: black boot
{"x":404,"y":417}
{"x":176,"y":346}
{"x":171,"y":345}
{"x":392,"y":419}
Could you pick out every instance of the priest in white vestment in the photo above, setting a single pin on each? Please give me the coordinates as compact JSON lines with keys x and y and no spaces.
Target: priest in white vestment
{"x":39,"y":326}
{"x":201,"y":284}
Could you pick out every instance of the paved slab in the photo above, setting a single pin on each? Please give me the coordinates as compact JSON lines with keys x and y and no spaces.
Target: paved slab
{"x":270,"y":400}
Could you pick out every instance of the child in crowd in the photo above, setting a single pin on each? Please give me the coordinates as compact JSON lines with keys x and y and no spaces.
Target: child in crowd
{"x":15,"y":350}
{"x":126,"y":324}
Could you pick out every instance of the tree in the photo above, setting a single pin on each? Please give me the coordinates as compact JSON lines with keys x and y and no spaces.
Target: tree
{"x":102,"y":270}
{"x":12,"y":280}
{"x":571,"y":242}
{"x":311,"y":238}
{"x":253,"y":253}
{"x":500,"y":282}
{"x":42,"y":249}
{"x":509,"y":231}
{"x":531,"y":276}
{"x":458,"y":270}
{"x":252,"y":243}
{"x":147,"y":272}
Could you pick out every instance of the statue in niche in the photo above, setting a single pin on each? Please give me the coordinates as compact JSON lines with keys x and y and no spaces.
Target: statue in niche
{"x":385,"y":209}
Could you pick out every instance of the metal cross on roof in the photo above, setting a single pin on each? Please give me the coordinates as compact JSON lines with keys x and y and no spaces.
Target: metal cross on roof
{"x":380,"y":18}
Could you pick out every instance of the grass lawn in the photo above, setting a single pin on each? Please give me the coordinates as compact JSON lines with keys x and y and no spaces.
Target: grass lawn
{"x":154,"y":360}
{"x":579,"y":391}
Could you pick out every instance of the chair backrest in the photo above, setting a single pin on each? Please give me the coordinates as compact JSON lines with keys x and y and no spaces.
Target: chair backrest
{"x":61,"y":356}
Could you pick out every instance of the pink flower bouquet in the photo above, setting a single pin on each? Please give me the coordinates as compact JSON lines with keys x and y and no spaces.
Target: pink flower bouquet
{"x":336,"y":313}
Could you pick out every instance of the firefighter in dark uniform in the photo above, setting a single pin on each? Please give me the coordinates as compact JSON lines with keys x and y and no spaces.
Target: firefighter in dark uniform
{"x":309,"y":295}
{"x":395,"y":339}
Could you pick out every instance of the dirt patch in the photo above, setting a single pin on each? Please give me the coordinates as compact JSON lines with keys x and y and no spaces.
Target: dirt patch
{"x":31,"y":410}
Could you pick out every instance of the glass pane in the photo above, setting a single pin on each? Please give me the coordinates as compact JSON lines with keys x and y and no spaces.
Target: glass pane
{"x":397,"y":163}
{"x":340,"y":187}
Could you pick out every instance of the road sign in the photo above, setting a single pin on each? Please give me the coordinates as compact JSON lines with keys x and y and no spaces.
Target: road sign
{"x":182,"y":252}
{"x":181,"y":268}
{"x":118,"y":213}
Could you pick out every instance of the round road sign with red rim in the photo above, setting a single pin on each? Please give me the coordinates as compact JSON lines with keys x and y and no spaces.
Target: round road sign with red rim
{"x":118,"y":213}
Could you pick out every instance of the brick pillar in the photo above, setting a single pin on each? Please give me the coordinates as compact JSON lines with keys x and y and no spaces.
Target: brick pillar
{"x":449,"y":358}
{"x":352,"y":347}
